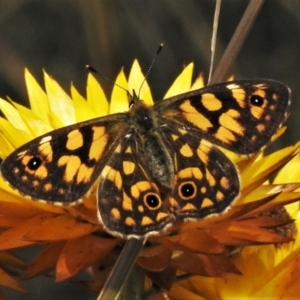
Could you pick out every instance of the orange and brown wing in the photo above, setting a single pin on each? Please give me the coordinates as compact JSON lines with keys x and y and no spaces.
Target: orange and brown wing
{"x":206,"y":182}
{"x":62,"y":165}
{"x":130,"y":203}
{"x":240,"y":116}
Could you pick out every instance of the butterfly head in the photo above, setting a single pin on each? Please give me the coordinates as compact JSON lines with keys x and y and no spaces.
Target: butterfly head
{"x":133,"y":98}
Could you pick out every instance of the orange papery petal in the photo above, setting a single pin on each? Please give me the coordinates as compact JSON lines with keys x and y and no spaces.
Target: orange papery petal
{"x":204,"y":265}
{"x":60,"y":228}
{"x":78,"y":254}
{"x":45,"y":260}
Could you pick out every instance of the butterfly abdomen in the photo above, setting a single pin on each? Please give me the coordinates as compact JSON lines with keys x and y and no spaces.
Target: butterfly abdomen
{"x":156,"y":155}
{"x":158,"y":159}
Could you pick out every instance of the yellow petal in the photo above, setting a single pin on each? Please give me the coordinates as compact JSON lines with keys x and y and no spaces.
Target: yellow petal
{"x":261,"y":170}
{"x":18,"y":207}
{"x":290,"y":172}
{"x":179,"y":292}
{"x":262,"y":192}
{"x":280,"y":281}
{"x":37,"y":97}
{"x":6,"y":147}
{"x":278,"y":134}
{"x":293,"y":211}
{"x":8,"y":194}
{"x":14,"y":136}
{"x":136,"y":82}
{"x":198,"y":83}
{"x":231,"y":286}
{"x":96,"y":97}
{"x":61,"y":106}
{"x":82,"y":108}
{"x":13,"y":116}
{"x":35,"y":124}
{"x":119,"y":99}
{"x":182,"y":83}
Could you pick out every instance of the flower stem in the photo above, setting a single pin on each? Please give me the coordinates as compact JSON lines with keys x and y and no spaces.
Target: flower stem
{"x":122,"y":270}
{"x":236,"y":41}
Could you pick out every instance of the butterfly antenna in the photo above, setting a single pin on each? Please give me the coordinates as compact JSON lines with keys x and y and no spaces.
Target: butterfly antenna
{"x":151,"y":66}
{"x":91,"y":69}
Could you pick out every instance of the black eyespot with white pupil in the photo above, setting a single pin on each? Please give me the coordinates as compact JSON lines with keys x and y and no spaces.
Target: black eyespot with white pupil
{"x":152,"y":201}
{"x":187,"y":190}
{"x":34,"y":163}
{"x":257,"y":100}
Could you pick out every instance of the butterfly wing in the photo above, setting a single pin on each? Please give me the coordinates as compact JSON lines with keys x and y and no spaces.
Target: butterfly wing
{"x":240,"y":116}
{"x":130,"y":203}
{"x":205,"y":182}
{"x":62,"y":165}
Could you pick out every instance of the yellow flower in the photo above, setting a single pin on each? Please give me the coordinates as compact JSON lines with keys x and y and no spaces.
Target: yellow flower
{"x":73,"y":237}
{"x":68,"y":232}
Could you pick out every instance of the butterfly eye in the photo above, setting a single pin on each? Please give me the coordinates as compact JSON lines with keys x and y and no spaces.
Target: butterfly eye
{"x":152,"y":201}
{"x":34,"y":163}
{"x":187,"y":190}
{"x":256,"y":100}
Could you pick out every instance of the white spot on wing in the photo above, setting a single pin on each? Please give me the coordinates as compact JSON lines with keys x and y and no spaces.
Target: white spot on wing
{"x":233,"y":86}
{"x":46,"y":139}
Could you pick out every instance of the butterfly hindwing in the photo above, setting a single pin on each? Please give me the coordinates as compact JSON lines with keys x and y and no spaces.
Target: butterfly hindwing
{"x":130,"y":203}
{"x":205,"y":181}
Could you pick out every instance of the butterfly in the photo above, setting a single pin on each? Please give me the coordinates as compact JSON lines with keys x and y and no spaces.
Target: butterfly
{"x":156,"y":164}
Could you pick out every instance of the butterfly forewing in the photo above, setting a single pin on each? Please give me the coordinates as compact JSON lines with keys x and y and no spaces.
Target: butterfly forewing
{"x":61,"y":166}
{"x":240,"y":116}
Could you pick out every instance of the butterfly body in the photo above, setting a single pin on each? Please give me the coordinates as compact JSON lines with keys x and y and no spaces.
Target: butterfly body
{"x":154,"y":164}
{"x":146,"y":127}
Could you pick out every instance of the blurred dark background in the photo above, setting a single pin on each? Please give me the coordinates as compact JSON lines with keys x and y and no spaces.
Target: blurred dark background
{"x":63,"y":36}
